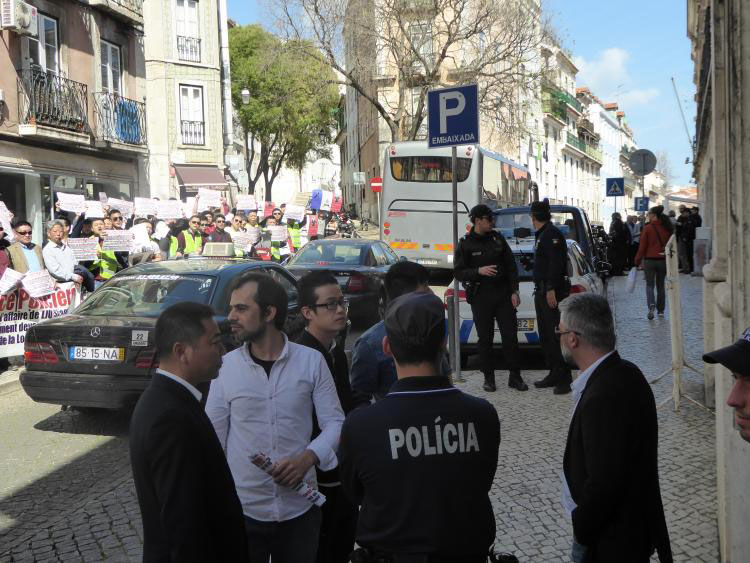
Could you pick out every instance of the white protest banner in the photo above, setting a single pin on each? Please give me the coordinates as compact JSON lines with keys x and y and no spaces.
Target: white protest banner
{"x":38,"y":284}
{"x":4,"y":212}
{"x":94,"y":209}
{"x":208,"y":198}
{"x":9,"y":280}
{"x":144,"y":206}
{"x":71,"y":202}
{"x":188,"y":206}
{"x":5,"y":222}
{"x":119,"y":241}
{"x":246,"y":202}
{"x":170,"y":209}
{"x":327,"y":201}
{"x":83,"y":248}
{"x":102,"y":197}
{"x":278,"y":233}
{"x":295,"y":212}
{"x":124,"y":207}
{"x":242,"y":241}
{"x":19,"y":312}
{"x":254,"y":233}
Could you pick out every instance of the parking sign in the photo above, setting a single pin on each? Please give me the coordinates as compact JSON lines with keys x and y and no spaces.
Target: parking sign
{"x":453,"y":116}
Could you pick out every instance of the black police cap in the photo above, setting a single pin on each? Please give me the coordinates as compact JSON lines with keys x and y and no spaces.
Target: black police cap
{"x":480,"y":210}
{"x":541,"y":208}
{"x":735,"y":357}
{"x":415,"y":319}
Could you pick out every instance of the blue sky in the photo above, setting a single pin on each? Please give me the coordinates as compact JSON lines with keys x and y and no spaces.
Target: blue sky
{"x":626,"y":52}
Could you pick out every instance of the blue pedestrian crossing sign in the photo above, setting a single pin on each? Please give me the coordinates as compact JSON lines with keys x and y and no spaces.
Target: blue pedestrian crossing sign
{"x":453,"y":116}
{"x":641,"y":203}
{"x":615,"y":187}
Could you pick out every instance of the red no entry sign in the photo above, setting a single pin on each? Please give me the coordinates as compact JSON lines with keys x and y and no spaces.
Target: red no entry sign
{"x":376,"y":184}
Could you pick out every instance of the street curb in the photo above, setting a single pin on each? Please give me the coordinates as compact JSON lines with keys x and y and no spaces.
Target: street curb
{"x":11,"y":384}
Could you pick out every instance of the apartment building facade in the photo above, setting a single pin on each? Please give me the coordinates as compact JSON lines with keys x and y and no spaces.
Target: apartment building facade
{"x":187,"y":133}
{"x":72,"y":112}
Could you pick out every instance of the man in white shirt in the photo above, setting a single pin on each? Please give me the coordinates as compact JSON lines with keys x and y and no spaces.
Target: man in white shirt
{"x":263,"y":402}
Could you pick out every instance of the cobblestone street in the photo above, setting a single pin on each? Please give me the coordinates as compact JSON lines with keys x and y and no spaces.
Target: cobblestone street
{"x":67,"y":495}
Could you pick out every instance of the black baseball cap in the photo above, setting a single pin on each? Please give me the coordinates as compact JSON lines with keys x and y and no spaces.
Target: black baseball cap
{"x":541,"y":208}
{"x":480,"y":210}
{"x":735,"y":357}
{"x":415,"y":319}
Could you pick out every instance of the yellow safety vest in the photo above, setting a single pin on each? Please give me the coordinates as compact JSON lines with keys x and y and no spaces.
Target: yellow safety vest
{"x":192,"y":244}
{"x":295,"y":233}
{"x":107,"y":262}
{"x":172,"y":246}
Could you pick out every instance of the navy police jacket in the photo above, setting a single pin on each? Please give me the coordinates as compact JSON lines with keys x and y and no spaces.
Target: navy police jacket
{"x":551,"y":259}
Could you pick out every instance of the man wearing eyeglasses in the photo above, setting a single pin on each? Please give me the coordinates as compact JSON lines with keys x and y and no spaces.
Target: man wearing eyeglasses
{"x":24,"y":255}
{"x":237,"y":224}
{"x":325,"y":308}
{"x":219,"y":234}
{"x":118,"y":223}
{"x":190,"y":241}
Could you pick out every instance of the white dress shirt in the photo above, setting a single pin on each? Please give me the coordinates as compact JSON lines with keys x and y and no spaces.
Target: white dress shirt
{"x":578,"y":386}
{"x":252,"y":412}
{"x":59,"y":260}
{"x":193,"y":391}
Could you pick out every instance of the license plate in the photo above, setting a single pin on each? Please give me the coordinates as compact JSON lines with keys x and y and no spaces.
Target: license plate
{"x":101,"y":354}
{"x":525,"y":325}
{"x":427,"y":261}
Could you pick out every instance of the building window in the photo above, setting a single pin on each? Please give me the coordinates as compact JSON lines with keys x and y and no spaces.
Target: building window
{"x":111,"y":68}
{"x":43,"y":50}
{"x":188,"y":31}
{"x":420,"y":35}
{"x":191,"y":115}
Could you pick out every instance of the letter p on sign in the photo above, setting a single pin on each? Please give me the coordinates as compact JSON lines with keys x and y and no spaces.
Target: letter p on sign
{"x":445,"y":112}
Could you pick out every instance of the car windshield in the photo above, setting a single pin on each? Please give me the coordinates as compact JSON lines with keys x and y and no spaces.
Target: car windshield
{"x":428,"y":169}
{"x":518,"y":225}
{"x":324,"y":254}
{"x":146,"y":295}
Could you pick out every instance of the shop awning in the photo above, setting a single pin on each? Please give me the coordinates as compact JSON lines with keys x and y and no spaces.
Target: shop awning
{"x":519,"y":174}
{"x":195,"y":177}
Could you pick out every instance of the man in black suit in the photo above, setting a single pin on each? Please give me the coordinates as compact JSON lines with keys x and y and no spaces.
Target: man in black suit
{"x":610,"y":480}
{"x":185,"y":490}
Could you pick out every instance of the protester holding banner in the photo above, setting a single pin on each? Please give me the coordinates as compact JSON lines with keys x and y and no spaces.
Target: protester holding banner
{"x":106,"y":265}
{"x":25,"y":256}
{"x":190,"y":241}
{"x":60,"y":260}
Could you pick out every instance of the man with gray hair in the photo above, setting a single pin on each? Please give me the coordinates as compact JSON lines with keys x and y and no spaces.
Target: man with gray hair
{"x":60,"y":260}
{"x":610,"y":479}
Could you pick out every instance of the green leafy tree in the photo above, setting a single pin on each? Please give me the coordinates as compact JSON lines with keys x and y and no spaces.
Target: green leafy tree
{"x":291,"y":115}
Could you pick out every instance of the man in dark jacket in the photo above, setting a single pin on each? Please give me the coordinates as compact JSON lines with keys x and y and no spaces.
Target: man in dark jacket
{"x":485,"y":264}
{"x":218,"y":234}
{"x":325,"y":310}
{"x":621,"y":241}
{"x":186,"y":493}
{"x":610,"y":484}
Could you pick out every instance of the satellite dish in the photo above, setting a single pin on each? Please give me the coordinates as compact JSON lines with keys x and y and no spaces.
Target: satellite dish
{"x":642,"y":162}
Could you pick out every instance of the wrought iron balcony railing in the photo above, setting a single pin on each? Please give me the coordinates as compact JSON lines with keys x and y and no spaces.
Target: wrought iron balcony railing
{"x":555,"y":107}
{"x":577,"y":143}
{"x":192,"y":133}
{"x":49,"y":99}
{"x":562,"y":95}
{"x":119,"y":119}
{"x":594,"y":153}
{"x":189,"y":49}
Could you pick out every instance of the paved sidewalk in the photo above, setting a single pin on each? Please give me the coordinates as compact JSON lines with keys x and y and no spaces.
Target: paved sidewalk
{"x":85,"y":509}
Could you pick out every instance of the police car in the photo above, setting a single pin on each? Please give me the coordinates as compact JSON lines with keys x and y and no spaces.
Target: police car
{"x":582,"y":275}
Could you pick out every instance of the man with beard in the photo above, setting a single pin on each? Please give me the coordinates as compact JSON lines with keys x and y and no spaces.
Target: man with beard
{"x":263,"y":402}
{"x":610,"y":480}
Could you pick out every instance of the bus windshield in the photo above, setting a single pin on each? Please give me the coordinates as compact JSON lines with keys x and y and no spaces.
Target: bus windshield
{"x":429,"y":169}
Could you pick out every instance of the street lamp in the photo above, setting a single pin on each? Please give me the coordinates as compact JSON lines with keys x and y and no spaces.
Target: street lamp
{"x":245,"y":96}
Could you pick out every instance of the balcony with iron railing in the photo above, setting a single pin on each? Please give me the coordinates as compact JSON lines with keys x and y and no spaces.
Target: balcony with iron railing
{"x":576,"y":143}
{"x":189,"y":49}
{"x":48,"y":103}
{"x":130,"y":11}
{"x":594,"y":153}
{"x":120,"y":122}
{"x":192,"y":133}
{"x":554,"y":107}
{"x":557,"y":92}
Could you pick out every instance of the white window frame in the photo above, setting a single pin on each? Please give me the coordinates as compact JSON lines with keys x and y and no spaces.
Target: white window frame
{"x":38,"y":43}
{"x":178,"y":110}
{"x":183,"y":32}
{"x":110,"y":49}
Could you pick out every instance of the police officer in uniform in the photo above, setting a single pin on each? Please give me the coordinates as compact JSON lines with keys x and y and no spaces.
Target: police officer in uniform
{"x":484,"y":263}
{"x":421,"y":461}
{"x":551,"y":285}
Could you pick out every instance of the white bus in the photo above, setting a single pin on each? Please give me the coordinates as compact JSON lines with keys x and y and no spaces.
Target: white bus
{"x":416,"y":203}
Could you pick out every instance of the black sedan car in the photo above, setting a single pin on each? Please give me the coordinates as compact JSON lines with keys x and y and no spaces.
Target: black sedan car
{"x":102,"y":354}
{"x":358,"y":265}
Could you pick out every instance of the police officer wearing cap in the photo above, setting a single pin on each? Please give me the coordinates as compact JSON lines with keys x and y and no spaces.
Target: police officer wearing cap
{"x":551,"y":285}
{"x":421,"y":461}
{"x":484,"y":262}
{"x":736,"y":358}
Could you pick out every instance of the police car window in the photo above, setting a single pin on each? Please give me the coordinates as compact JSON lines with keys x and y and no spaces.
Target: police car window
{"x":146,"y":295}
{"x":583,"y":264}
{"x":524,"y":265}
{"x":380,"y":257}
{"x":392,"y":256}
{"x":286,"y":283}
{"x":428,"y":169}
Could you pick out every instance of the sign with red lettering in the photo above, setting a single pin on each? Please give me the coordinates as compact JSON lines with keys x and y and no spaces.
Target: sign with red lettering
{"x":268,"y":209}
{"x":376,"y":184}
{"x":312,"y":225}
{"x":337,"y":204}
{"x":19,"y":312}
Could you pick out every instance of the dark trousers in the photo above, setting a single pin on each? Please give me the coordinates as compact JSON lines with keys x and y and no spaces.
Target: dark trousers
{"x":656,"y":271}
{"x":492,"y":304}
{"x":88,"y":277}
{"x":547,"y":320}
{"x":689,"y":255}
{"x":291,"y":541}
{"x":337,"y":528}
